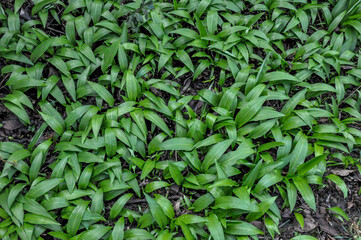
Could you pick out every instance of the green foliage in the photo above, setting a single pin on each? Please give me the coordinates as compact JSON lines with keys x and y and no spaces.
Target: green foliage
{"x":175,"y":119}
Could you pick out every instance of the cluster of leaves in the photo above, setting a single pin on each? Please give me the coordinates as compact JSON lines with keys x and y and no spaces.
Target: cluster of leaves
{"x":281,"y":102}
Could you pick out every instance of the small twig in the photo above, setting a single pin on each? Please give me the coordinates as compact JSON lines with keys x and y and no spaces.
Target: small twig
{"x":3,"y":80}
{"x":58,"y":31}
{"x":350,"y":95}
{"x":7,"y":161}
{"x":283,"y":224}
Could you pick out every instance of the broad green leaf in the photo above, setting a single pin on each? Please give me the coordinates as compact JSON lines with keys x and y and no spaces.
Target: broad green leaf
{"x":147,"y":168}
{"x":212,"y":21}
{"x":304,"y":237}
{"x":109,"y":56}
{"x":339,"y":182}
{"x":184,"y":58}
{"x":203,"y":202}
{"x":95,"y":234}
{"x":229,"y":202}
{"x":175,"y":173}
{"x":76,"y":218}
{"x":305,"y":191}
{"x":214,"y":153}
{"x":242,"y":229}
{"x":119,"y":204}
{"x":155,"y":185}
{"x":40,"y":5}
{"x":158,"y":121}
{"x":43,"y":187}
{"x":300,"y":219}
{"x":41,"y":49}
{"x":215,"y":227}
{"x":279,"y":76}
{"x":38,"y":219}
{"x":138,"y":234}
{"x":102,"y":92}
{"x":118,"y":230}
{"x":132,"y":86}
{"x":248,"y":111}
{"x":185,"y":144}
{"x":157,"y":211}
{"x":298,"y":154}
{"x":340,"y":212}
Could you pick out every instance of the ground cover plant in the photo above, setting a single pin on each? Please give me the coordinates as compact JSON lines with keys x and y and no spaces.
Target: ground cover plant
{"x":201,"y":119}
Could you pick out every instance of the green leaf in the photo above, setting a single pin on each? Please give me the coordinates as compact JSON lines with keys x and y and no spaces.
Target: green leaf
{"x":339,"y":182}
{"x":249,"y":110}
{"x":154,"y":118}
{"x":147,"y":168}
{"x":293,"y":102}
{"x":102,"y":92}
{"x":304,"y":237}
{"x":41,"y":49}
{"x":76,"y":218}
{"x":175,"y":173}
{"x":137,"y":234}
{"x":155,"y":185}
{"x":20,"y":112}
{"x":86,"y":50}
{"x":202,"y":6}
{"x":185,"y":144}
{"x":156,"y":211}
{"x":214,"y":153}
{"x":97,"y":202}
{"x":132,"y":86}
{"x":242,"y":229}
{"x":14,"y":192}
{"x":53,"y":123}
{"x":340,"y":212}
{"x":18,"y":4}
{"x":336,"y":21}
{"x":299,"y":154}
{"x":40,"y":5}
{"x":118,"y":230}
{"x":109,"y":56}
{"x":305,"y":191}
{"x":212,"y":21}
{"x":190,"y":219}
{"x":95,"y":234}
{"x":262,"y":129}
{"x":263,"y":208}
{"x":60,"y":65}
{"x":292,"y":195}
{"x":300,"y":219}
{"x":279,"y":76}
{"x":85,"y":177}
{"x":122,"y":58}
{"x":110,"y":142}
{"x":38,"y":219}
{"x":35,"y":166}
{"x":229,"y":202}
{"x":215,"y":227}
{"x":43,"y":187}
{"x":186,"y":32}
{"x":184,"y":58}
{"x":119,"y":204}
{"x":309,"y":165}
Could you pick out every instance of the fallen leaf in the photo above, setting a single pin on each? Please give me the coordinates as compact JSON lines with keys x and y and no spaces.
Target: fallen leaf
{"x":342,"y":172}
{"x":12,"y":124}
{"x":309,"y":225}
